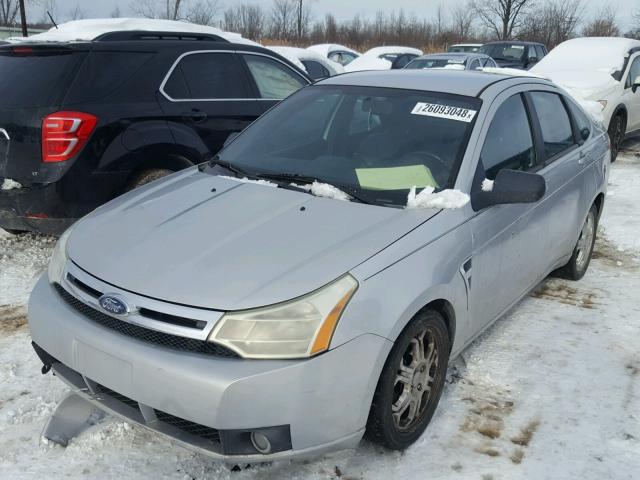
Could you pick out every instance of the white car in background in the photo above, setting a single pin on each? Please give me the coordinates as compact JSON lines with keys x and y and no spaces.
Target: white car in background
{"x":604,"y":70}
{"x":335,"y":52}
{"x":316,"y":65}
{"x":384,"y":58}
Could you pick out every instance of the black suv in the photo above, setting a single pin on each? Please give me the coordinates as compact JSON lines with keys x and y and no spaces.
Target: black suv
{"x":516,"y":54}
{"x":82,"y":122}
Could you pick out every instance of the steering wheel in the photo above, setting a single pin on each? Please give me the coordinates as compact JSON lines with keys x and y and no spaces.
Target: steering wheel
{"x":438,"y":167}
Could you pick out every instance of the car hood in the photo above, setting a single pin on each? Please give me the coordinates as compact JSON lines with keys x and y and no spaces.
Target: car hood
{"x":589,"y":84}
{"x":212,"y":242}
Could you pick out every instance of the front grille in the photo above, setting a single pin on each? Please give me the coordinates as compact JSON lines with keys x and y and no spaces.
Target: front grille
{"x":167,"y":340}
{"x":117,"y":396}
{"x":189,"y":427}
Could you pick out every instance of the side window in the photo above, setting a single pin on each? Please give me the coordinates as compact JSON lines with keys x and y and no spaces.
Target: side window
{"x":205,"y":76}
{"x":509,"y":143}
{"x":539,"y":52}
{"x":634,"y":71}
{"x":315,"y":69}
{"x":582,"y":121}
{"x":475,"y":64}
{"x":274,"y":79}
{"x":554,"y":122}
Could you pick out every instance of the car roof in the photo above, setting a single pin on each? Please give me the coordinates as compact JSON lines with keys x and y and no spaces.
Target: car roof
{"x":467,"y":83}
{"x":514,"y":42}
{"x":446,"y":55}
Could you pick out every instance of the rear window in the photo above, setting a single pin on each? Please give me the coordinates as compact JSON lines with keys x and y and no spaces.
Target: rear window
{"x":508,"y":52}
{"x":36,"y":79}
{"x":104,"y":72}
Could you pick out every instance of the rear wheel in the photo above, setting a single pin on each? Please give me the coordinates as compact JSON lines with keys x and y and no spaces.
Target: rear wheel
{"x":411,"y":383}
{"x":581,"y":257}
{"x":147,"y":176}
{"x":616,"y":132}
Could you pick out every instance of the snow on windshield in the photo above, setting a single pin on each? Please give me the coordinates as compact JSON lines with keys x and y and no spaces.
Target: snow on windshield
{"x":444,"y":199}
{"x":367,"y":63}
{"x":320,"y":189}
{"x":248,"y":180}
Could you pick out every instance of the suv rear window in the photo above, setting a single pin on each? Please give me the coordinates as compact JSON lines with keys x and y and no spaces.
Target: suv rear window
{"x":36,"y":78}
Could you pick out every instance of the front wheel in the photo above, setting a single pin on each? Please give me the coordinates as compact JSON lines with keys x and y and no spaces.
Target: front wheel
{"x":581,"y":256}
{"x":411,"y":383}
{"x":616,"y":135}
{"x":147,"y":176}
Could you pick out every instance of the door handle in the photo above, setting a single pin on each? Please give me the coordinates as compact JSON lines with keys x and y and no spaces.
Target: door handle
{"x":197,"y":116}
{"x":581,"y":158}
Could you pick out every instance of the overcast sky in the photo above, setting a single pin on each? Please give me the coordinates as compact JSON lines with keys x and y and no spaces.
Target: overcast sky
{"x":342,"y":9}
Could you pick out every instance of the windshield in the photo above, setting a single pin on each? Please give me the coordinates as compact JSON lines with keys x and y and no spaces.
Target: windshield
{"x":504,"y":51}
{"x":422,"y":63}
{"x":376,"y":142}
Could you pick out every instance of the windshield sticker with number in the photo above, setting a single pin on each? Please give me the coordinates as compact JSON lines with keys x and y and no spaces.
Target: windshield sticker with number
{"x":444,"y":111}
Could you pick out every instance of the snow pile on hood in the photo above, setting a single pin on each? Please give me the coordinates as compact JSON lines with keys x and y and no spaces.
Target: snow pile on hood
{"x":487,"y":185}
{"x":444,"y":199}
{"x":325,"y":49}
{"x":89,"y":29}
{"x":365,"y":62}
{"x":248,"y":180}
{"x":9,"y":184}
{"x":596,"y":54}
{"x":390,"y":50}
{"x":297,"y":55}
{"x":324,"y":190}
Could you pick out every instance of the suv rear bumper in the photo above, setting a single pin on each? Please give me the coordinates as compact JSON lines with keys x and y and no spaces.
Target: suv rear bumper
{"x":35,"y":209}
{"x":322,"y":402}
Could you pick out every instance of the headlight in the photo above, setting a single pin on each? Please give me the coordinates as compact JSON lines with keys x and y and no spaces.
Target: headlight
{"x":298,"y":328}
{"x":603,"y":103}
{"x":59,"y":258}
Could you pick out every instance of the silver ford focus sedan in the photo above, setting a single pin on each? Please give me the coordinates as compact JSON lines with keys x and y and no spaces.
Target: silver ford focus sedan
{"x":310,"y":283}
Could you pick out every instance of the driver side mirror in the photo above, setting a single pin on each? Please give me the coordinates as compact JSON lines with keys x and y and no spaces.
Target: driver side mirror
{"x":510,"y":186}
{"x":635,"y":84}
{"x":532,"y":60}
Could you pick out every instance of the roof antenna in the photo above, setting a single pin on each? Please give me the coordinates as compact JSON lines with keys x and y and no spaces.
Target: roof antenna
{"x":52,"y":20}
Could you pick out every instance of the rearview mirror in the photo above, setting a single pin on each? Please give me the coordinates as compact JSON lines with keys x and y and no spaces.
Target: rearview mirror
{"x":510,"y":186}
{"x":636,"y":83}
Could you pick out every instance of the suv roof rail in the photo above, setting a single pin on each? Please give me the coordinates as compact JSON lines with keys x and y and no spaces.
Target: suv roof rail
{"x":126,"y":35}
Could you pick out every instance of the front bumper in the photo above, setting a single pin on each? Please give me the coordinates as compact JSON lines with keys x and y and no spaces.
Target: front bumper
{"x":324,"y":400}
{"x":36,"y":209}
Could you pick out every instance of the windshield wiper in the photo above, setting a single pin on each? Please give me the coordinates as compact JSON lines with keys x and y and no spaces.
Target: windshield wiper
{"x":297,"y":177}
{"x":216,"y":160}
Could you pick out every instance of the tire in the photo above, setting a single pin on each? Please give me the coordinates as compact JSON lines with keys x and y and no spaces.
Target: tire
{"x":15,"y":232}
{"x":400,"y":392}
{"x":616,"y":131}
{"x":582,"y":252}
{"x":147,"y":176}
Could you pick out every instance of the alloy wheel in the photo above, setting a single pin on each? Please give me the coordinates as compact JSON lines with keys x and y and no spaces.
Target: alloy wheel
{"x":414,"y":380}
{"x":585,"y":242}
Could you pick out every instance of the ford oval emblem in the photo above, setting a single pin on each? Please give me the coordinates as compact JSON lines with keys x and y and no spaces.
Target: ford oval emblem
{"x":113,"y":304}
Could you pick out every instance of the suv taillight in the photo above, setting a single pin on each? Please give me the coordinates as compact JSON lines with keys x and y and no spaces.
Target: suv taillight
{"x":64,"y":134}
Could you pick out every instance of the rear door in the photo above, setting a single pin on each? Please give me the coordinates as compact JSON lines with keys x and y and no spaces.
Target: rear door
{"x":33,"y":83}
{"x":208,"y":92}
{"x":631,"y":96}
{"x":274,"y":79}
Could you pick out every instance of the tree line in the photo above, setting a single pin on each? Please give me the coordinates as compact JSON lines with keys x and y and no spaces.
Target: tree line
{"x":294,"y":22}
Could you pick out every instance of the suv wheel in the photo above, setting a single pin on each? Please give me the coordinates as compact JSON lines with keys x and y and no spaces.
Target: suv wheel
{"x":581,"y":257}
{"x":616,"y":134}
{"x":147,"y":176}
{"x":411,"y":383}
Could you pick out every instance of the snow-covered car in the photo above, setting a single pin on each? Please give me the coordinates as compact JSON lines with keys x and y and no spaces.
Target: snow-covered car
{"x":515,"y":53}
{"x":90,"y":29}
{"x":313,"y":63}
{"x":453,"y":61}
{"x":384,"y":58}
{"x":310,"y":283}
{"x":335,"y":52}
{"x":604,"y":70}
{"x":464,"y":47}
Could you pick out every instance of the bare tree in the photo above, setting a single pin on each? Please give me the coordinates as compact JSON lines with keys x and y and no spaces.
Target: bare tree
{"x":246,"y":19}
{"x":167,"y":9}
{"x":552,"y":22}
{"x":77,"y":13}
{"x":283,"y":19}
{"x":603,"y":24}
{"x":462,"y":17}
{"x":115,"y":13}
{"x":203,"y":12}
{"x":501,"y":17}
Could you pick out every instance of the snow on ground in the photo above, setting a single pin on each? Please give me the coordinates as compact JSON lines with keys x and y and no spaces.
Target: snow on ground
{"x":552,"y":390}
